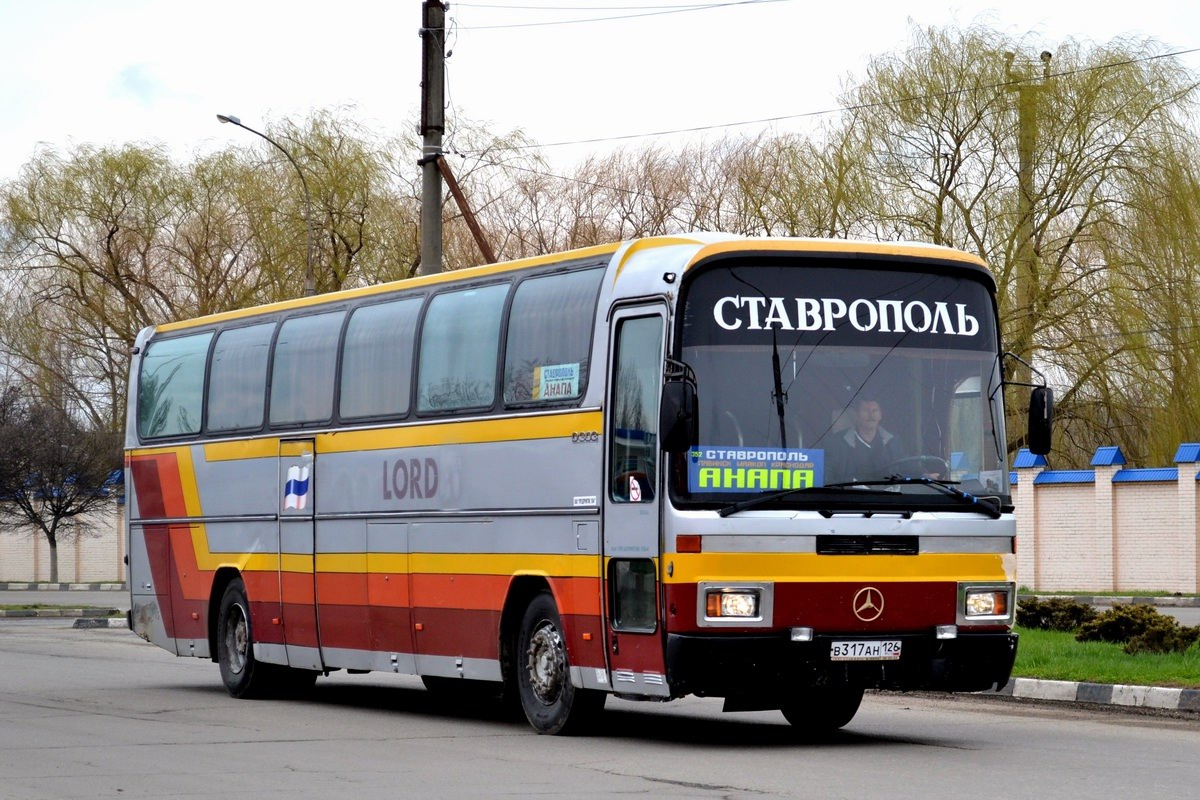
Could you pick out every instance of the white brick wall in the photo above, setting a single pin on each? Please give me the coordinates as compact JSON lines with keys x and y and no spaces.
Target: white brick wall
{"x":95,"y":556}
{"x":1151,"y":548}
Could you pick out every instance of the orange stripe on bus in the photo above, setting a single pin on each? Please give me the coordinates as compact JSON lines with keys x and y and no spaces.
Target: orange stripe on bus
{"x":298,"y":588}
{"x":388,"y":590}
{"x":171,"y":485}
{"x":342,"y":589}
{"x":482,"y":592}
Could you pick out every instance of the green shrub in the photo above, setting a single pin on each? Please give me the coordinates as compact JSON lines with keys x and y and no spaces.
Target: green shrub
{"x":1164,"y":635}
{"x":1053,"y":614}
{"x":1141,"y":628}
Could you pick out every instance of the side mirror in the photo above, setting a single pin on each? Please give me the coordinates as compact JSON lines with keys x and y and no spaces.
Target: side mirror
{"x":678,"y":416}
{"x":1041,"y":420}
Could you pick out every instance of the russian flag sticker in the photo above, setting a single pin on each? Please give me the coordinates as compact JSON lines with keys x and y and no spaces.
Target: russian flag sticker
{"x":295,"y":490}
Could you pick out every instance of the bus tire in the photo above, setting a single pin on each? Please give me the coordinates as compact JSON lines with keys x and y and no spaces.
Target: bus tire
{"x":543,"y":674}
{"x":243,"y":676}
{"x":823,"y":710}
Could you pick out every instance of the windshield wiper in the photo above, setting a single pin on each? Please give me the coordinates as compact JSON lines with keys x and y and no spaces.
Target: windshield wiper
{"x":945,"y":487}
{"x":761,"y":499}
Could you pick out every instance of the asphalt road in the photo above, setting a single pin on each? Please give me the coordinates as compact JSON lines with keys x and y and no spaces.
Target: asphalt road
{"x":99,"y":713}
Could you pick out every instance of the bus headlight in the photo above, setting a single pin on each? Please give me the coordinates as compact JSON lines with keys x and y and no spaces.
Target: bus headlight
{"x":732,"y":603}
{"x":738,"y":604}
{"x":985,"y":603}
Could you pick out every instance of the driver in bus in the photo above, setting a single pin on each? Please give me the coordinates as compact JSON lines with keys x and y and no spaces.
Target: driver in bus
{"x":866,"y":448}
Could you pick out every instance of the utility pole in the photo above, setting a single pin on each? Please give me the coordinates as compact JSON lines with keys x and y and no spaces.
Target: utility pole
{"x":1027,"y":267}
{"x":433,"y":126}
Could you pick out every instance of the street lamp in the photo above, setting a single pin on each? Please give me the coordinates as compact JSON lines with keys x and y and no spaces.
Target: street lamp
{"x":310,"y":286}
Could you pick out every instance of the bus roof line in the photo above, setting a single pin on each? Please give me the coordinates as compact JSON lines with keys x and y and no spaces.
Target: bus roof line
{"x":404,"y":283}
{"x":811,"y":245}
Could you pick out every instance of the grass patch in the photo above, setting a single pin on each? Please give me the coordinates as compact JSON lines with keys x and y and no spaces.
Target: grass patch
{"x":1053,"y":655}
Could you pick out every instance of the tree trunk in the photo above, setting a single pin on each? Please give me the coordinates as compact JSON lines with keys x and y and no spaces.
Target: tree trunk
{"x":53,"y":561}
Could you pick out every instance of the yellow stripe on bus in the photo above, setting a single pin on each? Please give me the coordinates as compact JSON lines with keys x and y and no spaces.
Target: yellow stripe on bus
{"x":542,"y":426}
{"x":808,"y":567}
{"x":562,"y":565}
{"x":246,"y":448}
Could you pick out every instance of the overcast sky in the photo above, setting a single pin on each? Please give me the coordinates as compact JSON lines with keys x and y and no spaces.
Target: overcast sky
{"x":115,"y":71}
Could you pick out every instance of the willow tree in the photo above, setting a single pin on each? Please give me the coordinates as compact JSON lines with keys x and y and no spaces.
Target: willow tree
{"x":941,"y":126}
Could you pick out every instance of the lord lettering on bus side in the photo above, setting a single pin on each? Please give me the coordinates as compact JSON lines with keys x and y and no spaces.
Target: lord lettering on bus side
{"x":411,"y":478}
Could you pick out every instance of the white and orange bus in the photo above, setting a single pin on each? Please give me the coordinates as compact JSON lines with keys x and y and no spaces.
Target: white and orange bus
{"x":625,"y":469}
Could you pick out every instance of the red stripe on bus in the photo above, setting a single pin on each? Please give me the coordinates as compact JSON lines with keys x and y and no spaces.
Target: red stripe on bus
{"x":907,"y":607}
{"x":147,"y":487}
{"x":391,"y":629}
{"x":457,"y":632}
{"x":346,"y":626}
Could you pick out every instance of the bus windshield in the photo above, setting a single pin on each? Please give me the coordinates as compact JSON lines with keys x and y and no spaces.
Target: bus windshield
{"x":813,"y":374}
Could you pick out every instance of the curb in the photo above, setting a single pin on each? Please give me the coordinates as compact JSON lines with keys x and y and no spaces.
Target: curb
{"x":1101,"y":693}
{"x":52,"y":613}
{"x":102,"y":586}
{"x":101,"y":622}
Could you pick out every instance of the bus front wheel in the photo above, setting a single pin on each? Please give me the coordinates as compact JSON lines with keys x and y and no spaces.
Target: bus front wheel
{"x":543,"y":676}
{"x":822,"y":710}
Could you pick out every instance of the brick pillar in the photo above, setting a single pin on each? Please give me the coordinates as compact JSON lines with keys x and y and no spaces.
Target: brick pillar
{"x":1027,"y":467}
{"x":1187,"y":457}
{"x":1106,"y":462}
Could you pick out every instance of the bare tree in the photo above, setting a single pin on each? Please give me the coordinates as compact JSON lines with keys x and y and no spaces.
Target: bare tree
{"x":53,"y":470}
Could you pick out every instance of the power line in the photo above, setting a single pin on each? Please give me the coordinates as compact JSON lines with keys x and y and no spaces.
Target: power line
{"x":684,"y":6}
{"x":667,"y":10}
{"x":861,"y":107}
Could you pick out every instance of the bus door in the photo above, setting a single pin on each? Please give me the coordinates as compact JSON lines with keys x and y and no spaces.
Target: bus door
{"x":297,"y":588}
{"x":631,"y":502}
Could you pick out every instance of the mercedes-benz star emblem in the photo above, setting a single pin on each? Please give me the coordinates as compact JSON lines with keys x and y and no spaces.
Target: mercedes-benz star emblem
{"x":868,"y":604}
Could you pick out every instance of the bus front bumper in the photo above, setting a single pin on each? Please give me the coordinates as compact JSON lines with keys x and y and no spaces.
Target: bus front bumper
{"x":731,"y":665}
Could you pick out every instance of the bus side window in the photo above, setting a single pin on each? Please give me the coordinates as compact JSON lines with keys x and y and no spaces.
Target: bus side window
{"x":633,"y":459}
{"x":633,"y":594}
{"x":172,"y":386}
{"x":238,"y":378}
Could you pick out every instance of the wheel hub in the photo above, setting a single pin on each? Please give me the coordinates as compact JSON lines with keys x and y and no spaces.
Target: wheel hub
{"x":236,"y":640}
{"x":546,"y":664}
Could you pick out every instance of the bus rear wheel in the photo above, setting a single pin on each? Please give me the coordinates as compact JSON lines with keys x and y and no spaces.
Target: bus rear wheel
{"x":822,"y":710}
{"x":550,"y":701}
{"x":243,"y":675}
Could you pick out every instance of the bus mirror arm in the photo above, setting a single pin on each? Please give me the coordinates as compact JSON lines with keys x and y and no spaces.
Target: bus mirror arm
{"x":679,"y":409}
{"x":1041,"y":409}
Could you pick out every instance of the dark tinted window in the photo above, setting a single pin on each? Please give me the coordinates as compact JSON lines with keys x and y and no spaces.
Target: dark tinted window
{"x":238,"y":378}
{"x":460,"y":345}
{"x":549,"y":336}
{"x":633,"y":459}
{"x":303,"y":370}
{"x":171,"y":386}
{"x":377,"y":359}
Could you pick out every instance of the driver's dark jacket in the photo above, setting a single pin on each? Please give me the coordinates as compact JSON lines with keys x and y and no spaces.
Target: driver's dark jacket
{"x":853,"y":459}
